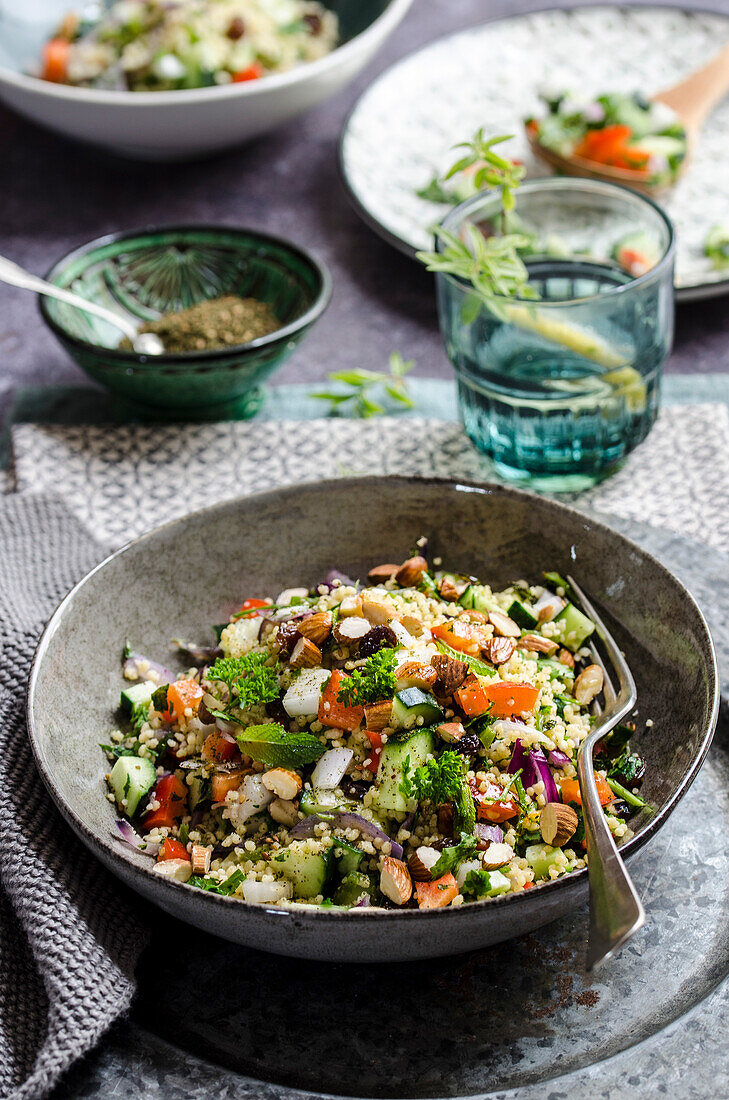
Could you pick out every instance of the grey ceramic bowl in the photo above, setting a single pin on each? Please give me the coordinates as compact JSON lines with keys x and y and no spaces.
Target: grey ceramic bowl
{"x":295,"y":535}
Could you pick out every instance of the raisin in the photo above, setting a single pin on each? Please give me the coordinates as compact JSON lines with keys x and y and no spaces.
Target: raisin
{"x":236,"y":29}
{"x":275,"y":710}
{"x":313,"y":22}
{"x":467,"y":746}
{"x":380,"y":637}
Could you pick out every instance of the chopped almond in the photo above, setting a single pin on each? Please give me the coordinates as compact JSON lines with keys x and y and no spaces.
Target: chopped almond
{"x":317,"y":627}
{"x":395,"y":881}
{"x":201,"y":856}
{"x":410,"y":573}
{"x":381,"y":573}
{"x":413,"y":674}
{"x":284,"y":783}
{"x":305,"y":654}
{"x":377,"y":715}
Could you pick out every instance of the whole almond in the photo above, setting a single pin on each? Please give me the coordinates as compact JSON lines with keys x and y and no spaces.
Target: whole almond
{"x":537,"y":644}
{"x":588,"y":684}
{"x":451,"y":673}
{"x":411,"y":572}
{"x":497,"y":855}
{"x":351,"y":631}
{"x":382,"y":573}
{"x":395,"y":881}
{"x":503,"y":625}
{"x":377,"y":715}
{"x":305,"y":654}
{"x":413,"y":674}
{"x":451,"y":732}
{"x":317,"y":627}
{"x":565,"y":658}
{"x":498,"y":650}
{"x":557,"y":823}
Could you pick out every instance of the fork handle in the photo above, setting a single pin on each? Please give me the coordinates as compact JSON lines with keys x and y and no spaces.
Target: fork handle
{"x":616,"y":911}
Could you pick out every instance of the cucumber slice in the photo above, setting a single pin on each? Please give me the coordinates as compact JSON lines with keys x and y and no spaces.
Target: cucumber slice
{"x":574,"y":628}
{"x":306,"y":871}
{"x":522,"y":615}
{"x":411,"y":704}
{"x":414,"y":750}
{"x":351,"y":889}
{"x":131,"y":778}
{"x":466,"y":598}
{"x":138,"y":695}
{"x":498,"y":884}
{"x":473,"y":663}
{"x":347,"y":856}
{"x":541,"y":857}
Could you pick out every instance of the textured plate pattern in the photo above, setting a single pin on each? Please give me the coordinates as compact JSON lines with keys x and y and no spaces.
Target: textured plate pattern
{"x":489,"y":76}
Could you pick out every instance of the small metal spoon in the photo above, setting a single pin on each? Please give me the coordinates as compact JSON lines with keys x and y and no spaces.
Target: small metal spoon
{"x":693,"y":99}
{"x":144,"y":343}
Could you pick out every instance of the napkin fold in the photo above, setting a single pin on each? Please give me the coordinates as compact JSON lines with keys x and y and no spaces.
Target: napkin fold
{"x":71,"y":934}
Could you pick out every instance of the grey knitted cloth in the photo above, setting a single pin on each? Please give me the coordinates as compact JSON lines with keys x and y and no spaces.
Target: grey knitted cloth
{"x":70,"y":934}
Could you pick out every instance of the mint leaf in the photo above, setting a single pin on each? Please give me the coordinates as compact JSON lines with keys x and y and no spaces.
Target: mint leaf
{"x":272,"y":744}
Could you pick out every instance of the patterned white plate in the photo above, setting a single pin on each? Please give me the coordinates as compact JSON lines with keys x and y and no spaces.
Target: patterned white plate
{"x":400,"y":132}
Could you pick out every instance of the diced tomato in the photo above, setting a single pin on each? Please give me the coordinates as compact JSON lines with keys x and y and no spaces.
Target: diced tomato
{"x":489,"y":804}
{"x":171,"y":793}
{"x":570,"y":789}
{"x":253,"y":72}
{"x":55,"y":60}
{"x":334,"y":714}
{"x":181,"y":695}
{"x":601,"y":145}
{"x":252,"y":605}
{"x":221,"y":784}
{"x":471,"y":697}
{"x":528,"y":885}
{"x":436,"y":894}
{"x":460,"y":634}
{"x":509,"y":697}
{"x":218,"y":750}
{"x":173,"y":849}
{"x":637,"y":263}
{"x":375,"y":739}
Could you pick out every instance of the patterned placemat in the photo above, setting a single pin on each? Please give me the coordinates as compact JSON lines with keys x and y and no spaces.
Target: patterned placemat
{"x":122,"y":480}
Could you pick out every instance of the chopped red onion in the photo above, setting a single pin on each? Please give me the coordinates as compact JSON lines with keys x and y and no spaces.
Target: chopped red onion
{"x":509,"y":725}
{"x":493,"y":833}
{"x":558,"y":759}
{"x":534,"y":767}
{"x":363,"y":903}
{"x":129,"y":835}
{"x":132,"y":669}
{"x":346,"y":820}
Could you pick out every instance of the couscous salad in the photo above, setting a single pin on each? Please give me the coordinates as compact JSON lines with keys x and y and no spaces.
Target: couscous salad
{"x":409,"y":741}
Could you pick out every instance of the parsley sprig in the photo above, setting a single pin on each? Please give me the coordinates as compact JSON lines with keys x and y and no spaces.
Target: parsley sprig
{"x":366,"y":385}
{"x":250,"y":679}
{"x":375,"y":680}
{"x":444,"y":780}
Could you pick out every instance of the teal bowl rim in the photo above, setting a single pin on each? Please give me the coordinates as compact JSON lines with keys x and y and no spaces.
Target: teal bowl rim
{"x":121,"y":356}
{"x":455,"y":217}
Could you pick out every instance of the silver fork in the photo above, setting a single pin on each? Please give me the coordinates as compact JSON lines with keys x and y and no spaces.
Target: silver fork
{"x":616,"y":911}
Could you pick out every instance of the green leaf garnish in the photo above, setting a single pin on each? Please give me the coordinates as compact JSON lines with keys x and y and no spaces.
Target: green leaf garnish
{"x":272,"y":744}
{"x":444,"y":780}
{"x":454,"y":855}
{"x":374,"y":681}
{"x":364,"y":383}
{"x":214,"y":887}
{"x":249,"y":678}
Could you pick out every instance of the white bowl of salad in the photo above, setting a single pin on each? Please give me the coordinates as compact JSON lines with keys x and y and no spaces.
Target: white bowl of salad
{"x":161,"y":81}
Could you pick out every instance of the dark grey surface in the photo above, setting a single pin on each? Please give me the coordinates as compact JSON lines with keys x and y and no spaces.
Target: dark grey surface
{"x":56,"y":195}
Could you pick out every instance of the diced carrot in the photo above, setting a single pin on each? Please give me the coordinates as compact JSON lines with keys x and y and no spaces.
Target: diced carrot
{"x":460,"y":634}
{"x":171,"y":793}
{"x":221,"y":784}
{"x":510,"y":697}
{"x":489,"y":804}
{"x":172,"y":849}
{"x":528,"y":885}
{"x":334,"y":714}
{"x":180,"y":695}
{"x":570,"y":789}
{"x":375,"y":739}
{"x":437,"y":894}
{"x":55,"y":60}
{"x":218,"y":750}
{"x":253,"y":72}
{"x":471,"y":697}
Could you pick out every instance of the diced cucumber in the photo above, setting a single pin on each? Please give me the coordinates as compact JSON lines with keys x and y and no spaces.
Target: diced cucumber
{"x":574,"y":628}
{"x":484,"y":727}
{"x":522,"y":615}
{"x":138,"y":695}
{"x":411,"y":704}
{"x":483,"y":599}
{"x":306,"y":871}
{"x":466,"y":597}
{"x":498,"y":884}
{"x":541,"y":857}
{"x":662,"y":145}
{"x":320,"y":801}
{"x":131,"y":778}
{"x":388,"y":797}
{"x":347,"y":856}
{"x":351,"y":889}
{"x":473,"y":663}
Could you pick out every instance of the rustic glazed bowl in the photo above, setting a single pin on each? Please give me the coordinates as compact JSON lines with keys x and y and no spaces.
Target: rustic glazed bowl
{"x":185,"y":576}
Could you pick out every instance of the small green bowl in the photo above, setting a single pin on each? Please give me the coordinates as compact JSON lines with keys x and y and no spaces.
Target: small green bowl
{"x":154,"y":271}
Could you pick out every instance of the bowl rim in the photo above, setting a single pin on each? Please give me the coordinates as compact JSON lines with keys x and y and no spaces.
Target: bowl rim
{"x":122,"y":356}
{"x":303,"y":912}
{"x":383,"y":24}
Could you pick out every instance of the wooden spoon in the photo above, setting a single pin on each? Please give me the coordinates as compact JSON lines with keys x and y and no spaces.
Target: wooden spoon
{"x":693,"y":100}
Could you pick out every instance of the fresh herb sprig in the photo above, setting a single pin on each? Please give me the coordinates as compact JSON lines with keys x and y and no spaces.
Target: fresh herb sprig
{"x":374,"y":681}
{"x":271,"y":744}
{"x":249,"y":678}
{"x":444,"y":780}
{"x":366,"y":385}
{"x":454,"y":855}
{"x":493,"y":171}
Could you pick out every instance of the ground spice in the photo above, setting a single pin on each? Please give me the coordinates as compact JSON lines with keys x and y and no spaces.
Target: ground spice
{"x":214,"y":323}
